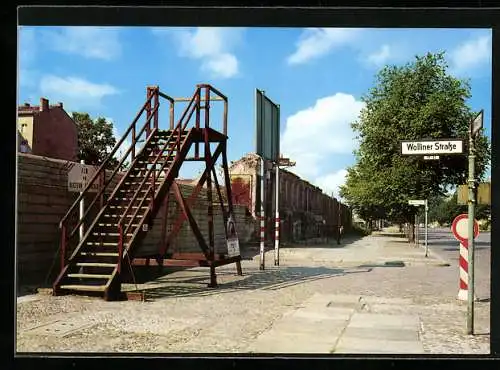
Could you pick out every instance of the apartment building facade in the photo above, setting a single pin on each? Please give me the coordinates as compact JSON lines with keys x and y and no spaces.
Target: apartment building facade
{"x":47,"y":130}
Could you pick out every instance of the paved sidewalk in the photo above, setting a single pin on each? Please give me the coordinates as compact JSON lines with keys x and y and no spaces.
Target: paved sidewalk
{"x":376,"y":294}
{"x":342,"y":324}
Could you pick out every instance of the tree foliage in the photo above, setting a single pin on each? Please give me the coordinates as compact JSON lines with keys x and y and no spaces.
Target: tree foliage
{"x":444,"y":209}
{"x":412,"y":102}
{"x":95,"y":139}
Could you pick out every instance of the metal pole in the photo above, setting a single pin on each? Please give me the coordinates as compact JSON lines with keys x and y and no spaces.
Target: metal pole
{"x":82,"y":210}
{"x":277,"y":221}
{"x":470,"y":247}
{"x":426,"y":230}
{"x":262,"y":216}
{"x":415,"y":231}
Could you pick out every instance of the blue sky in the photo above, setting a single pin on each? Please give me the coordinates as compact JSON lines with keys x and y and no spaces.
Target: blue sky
{"x":316,"y":75}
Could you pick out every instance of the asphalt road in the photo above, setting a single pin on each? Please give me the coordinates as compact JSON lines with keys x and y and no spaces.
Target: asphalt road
{"x":442,"y":242}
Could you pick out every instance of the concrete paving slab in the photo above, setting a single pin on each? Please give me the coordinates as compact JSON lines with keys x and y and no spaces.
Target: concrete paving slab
{"x":338,"y":298}
{"x":323,"y":313}
{"x":383,"y":334}
{"x":60,"y":328}
{"x":384,"y":300}
{"x":28,"y":298}
{"x":378,"y":320}
{"x":314,"y":329}
{"x":358,"y":345}
{"x":291,"y":343}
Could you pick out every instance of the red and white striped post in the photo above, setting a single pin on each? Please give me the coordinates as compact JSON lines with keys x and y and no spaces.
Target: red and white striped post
{"x":262,"y":217}
{"x":460,"y":230}
{"x":464,"y":268}
{"x":277,"y":220}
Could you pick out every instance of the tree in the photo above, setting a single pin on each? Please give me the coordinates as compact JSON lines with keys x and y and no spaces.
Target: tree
{"x":446,"y":209}
{"x":411,"y":102}
{"x":95,"y":139}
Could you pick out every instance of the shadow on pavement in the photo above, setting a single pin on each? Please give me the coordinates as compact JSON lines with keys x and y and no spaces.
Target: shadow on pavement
{"x":386,"y":264}
{"x":271,"y":279}
{"x":249,"y":251}
{"x":456,"y":243}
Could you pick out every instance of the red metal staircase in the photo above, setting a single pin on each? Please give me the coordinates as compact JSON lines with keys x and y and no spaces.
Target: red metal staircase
{"x":118,"y":217}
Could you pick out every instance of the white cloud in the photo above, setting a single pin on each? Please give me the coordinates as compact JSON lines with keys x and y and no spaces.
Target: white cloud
{"x":471,"y":54}
{"x":381,"y":56}
{"x":312,"y":136}
{"x":331,"y":182}
{"x":89,"y":42}
{"x":317,"y":42}
{"x":210,"y":45}
{"x":124,"y":146}
{"x":75,"y":92}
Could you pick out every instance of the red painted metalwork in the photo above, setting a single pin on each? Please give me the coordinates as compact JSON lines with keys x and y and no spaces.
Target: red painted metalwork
{"x":180,"y":220}
{"x":63,"y":247}
{"x":146,"y":192}
{"x":120,"y":247}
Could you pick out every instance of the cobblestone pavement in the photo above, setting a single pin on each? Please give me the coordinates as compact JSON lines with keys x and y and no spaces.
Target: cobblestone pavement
{"x":182,"y":315}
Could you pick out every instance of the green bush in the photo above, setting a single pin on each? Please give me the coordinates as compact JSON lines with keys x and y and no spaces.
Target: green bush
{"x":359,"y":230}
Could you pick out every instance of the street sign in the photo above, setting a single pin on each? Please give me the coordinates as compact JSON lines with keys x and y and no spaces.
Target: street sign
{"x":432,"y":147}
{"x":233,"y":245}
{"x":267,"y":124}
{"x":460,"y":228}
{"x":417,"y":202}
{"x":483,"y":194}
{"x":79,"y":176}
{"x":431,"y":157}
{"x":477,"y":124}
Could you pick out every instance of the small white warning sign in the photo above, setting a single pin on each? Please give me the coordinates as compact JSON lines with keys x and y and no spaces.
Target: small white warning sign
{"x":233,"y":245}
{"x":79,"y":176}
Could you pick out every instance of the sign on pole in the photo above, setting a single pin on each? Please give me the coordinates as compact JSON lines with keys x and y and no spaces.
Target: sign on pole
{"x":431,"y":157}
{"x":483,"y":193}
{"x":79,"y":176}
{"x":477,"y":124}
{"x":417,"y":202}
{"x":267,"y":127}
{"x":460,"y":228}
{"x":233,"y":245}
{"x":432,"y":147}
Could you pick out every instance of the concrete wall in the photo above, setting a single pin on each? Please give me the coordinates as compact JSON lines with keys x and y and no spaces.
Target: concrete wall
{"x":43,"y":200}
{"x":186,"y":241}
{"x":305,"y":211}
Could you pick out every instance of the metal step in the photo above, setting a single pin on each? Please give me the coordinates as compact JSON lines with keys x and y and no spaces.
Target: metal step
{"x":110,"y":234}
{"x":114,"y":225}
{"x":93,"y":288}
{"x":89,"y":276}
{"x":138,"y":183}
{"x":100,"y":254}
{"x":113,"y":206}
{"x":118,"y":216}
{"x":95,"y":264}
{"x":105,"y":244}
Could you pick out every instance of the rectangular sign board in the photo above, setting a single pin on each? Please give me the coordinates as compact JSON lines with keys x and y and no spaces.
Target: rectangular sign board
{"x":78,"y":177}
{"x":477,"y":124}
{"x":483,"y":194}
{"x":417,"y":202}
{"x":267,"y":122}
{"x":431,"y":157}
{"x":432,"y":147}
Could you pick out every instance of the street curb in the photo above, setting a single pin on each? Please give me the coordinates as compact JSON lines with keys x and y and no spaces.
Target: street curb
{"x":444,"y":262}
